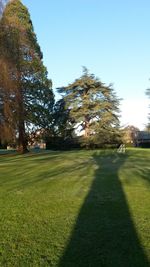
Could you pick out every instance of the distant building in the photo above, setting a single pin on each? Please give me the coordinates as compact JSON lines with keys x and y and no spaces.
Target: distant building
{"x":143,"y":139}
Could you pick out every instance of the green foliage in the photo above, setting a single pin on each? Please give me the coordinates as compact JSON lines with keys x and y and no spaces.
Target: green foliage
{"x":55,"y":206}
{"x":129,"y":135}
{"x":24,"y":84}
{"x":63,"y":124}
{"x":93,"y":107}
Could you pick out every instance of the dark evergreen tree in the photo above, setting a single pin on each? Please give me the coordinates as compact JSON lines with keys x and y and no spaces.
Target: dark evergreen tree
{"x":94,"y":108}
{"x":63,"y":124}
{"x":26,"y":96}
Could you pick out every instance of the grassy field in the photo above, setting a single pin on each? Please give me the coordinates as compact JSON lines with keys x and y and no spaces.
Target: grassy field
{"x":74,"y":209}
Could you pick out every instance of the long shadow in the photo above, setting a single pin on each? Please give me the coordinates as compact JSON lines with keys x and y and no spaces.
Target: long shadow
{"x":25,"y":177}
{"x":104,"y":234}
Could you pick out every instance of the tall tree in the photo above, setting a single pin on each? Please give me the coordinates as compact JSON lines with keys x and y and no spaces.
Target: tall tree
{"x":27,"y":89}
{"x":7,"y":129}
{"x":93,"y":106}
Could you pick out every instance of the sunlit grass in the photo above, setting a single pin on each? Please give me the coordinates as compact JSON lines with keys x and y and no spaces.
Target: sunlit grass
{"x":53,"y":201}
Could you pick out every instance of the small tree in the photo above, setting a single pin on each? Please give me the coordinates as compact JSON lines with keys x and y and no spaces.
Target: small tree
{"x":129,"y":134}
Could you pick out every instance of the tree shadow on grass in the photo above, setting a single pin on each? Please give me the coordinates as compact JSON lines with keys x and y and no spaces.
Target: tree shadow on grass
{"x":104,"y":234}
{"x":141,"y":169}
{"x":25,"y":176}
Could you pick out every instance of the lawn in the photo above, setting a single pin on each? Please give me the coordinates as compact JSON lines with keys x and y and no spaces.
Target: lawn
{"x":74,"y":209}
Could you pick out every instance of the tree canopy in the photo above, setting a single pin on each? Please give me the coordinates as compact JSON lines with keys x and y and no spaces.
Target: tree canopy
{"x":94,"y":108}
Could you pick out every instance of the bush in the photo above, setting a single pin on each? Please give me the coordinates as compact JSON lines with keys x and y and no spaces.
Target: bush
{"x":144,"y":144}
{"x":59,"y":143}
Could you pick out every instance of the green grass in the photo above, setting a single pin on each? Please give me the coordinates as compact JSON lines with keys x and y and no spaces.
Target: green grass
{"x":80,"y":208}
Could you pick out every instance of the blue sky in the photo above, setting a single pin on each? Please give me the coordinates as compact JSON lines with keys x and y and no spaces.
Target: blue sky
{"x":110,"y":38}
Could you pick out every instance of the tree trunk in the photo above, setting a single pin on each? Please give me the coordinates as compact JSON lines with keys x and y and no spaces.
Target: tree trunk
{"x":87,"y":132}
{"x":22,"y":140}
{"x":86,"y":128}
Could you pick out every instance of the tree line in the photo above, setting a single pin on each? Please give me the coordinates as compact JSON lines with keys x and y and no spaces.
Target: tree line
{"x":87,"y":114}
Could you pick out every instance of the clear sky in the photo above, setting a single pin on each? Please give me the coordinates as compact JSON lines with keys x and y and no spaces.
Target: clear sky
{"x":110,"y":37}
